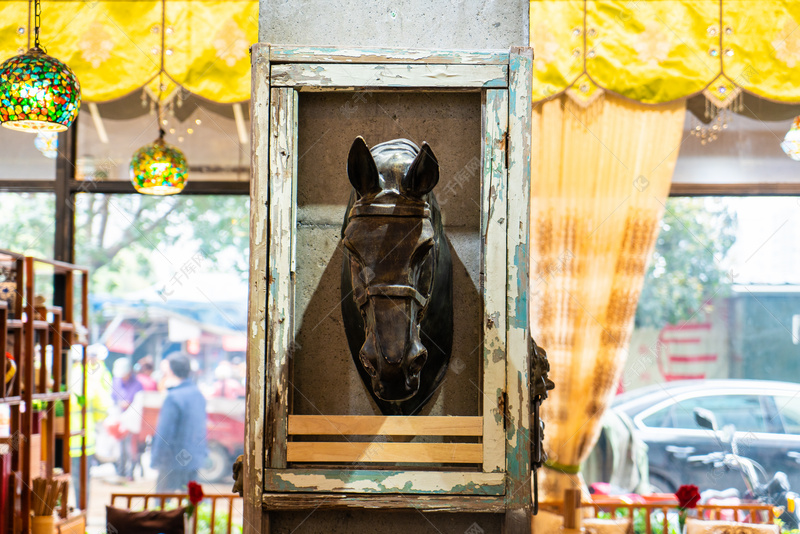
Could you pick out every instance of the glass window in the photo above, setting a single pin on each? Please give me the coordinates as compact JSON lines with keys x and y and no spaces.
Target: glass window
{"x":215,"y":142}
{"x":169,"y":276}
{"x":722,"y":293}
{"x":789,"y":413}
{"x":743,"y":411}
{"x":26,"y":156}
{"x":28,"y":225}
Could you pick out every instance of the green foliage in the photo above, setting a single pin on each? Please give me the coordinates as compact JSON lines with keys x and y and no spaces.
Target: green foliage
{"x":640,"y":521}
{"x":687,"y":269}
{"x":31,"y":228}
{"x":121,"y":237}
{"x":220,"y":520}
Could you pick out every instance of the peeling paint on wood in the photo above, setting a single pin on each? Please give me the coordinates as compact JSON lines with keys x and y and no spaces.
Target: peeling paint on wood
{"x":386,"y":55}
{"x":396,"y":76}
{"x":504,"y":482}
{"x":493,"y":257}
{"x":518,"y":490}
{"x":375,"y":481}
{"x":280,"y":301}
{"x":257,"y":298}
{"x":425,"y":503}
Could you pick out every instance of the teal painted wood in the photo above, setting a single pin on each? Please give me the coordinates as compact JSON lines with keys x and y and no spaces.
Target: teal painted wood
{"x":322,"y":76}
{"x":518,"y":490}
{"x":378,"y":481}
{"x":493,"y":258}
{"x":306,"y":54}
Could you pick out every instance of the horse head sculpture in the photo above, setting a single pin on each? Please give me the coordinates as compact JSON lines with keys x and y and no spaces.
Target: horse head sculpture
{"x":397,"y":285}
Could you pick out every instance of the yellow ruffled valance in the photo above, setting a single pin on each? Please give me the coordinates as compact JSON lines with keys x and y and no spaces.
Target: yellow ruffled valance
{"x":659,"y":51}
{"x":115,"y":47}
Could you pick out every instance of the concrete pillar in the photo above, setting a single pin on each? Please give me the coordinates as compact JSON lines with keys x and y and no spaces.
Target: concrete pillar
{"x":324,"y":375}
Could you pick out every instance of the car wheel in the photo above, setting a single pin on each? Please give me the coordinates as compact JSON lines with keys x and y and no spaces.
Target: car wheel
{"x":660,"y":485}
{"x":217,"y":465}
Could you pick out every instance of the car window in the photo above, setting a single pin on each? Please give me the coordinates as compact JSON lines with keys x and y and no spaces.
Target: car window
{"x":789,"y":412}
{"x":743,"y":411}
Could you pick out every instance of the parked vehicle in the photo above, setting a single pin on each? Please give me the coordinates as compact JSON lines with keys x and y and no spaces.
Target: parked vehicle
{"x":775,"y":491}
{"x":766,"y":416}
{"x":225,"y":437}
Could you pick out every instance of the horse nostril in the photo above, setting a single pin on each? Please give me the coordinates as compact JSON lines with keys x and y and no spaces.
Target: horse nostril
{"x":418,"y":362}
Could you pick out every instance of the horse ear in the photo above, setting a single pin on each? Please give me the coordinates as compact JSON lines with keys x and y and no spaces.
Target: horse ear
{"x":361,"y":168}
{"x":423,"y":174}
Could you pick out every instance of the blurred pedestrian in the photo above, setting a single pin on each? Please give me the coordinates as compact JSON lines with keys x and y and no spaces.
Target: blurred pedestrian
{"x":226,"y":386}
{"x":179,"y":445}
{"x":123,"y":390}
{"x":144,"y":373}
{"x":97,"y":401}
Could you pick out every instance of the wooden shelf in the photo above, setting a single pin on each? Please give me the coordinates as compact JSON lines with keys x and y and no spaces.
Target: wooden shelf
{"x":48,"y":397}
{"x":25,"y":336}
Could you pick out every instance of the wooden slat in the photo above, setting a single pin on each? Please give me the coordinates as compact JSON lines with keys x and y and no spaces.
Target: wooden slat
{"x":288,"y":54}
{"x":518,"y":446}
{"x":374,"y":481}
{"x":494,"y":187}
{"x":255,"y":447}
{"x":338,"y":501}
{"x":734,"y":189}
{"x":375,"y":452}
{"x":376,"y":425}
{"x":319,"y":75}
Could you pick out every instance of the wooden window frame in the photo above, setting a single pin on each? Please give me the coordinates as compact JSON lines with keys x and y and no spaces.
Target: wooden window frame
{"x":503,"y":78}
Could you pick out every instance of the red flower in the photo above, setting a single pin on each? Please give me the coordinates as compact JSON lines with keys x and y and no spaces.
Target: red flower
{"x":688,"y":496}
{"x":196,"y":492}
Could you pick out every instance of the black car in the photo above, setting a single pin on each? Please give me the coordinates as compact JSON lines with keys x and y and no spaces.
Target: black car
{"x":766,"y":416}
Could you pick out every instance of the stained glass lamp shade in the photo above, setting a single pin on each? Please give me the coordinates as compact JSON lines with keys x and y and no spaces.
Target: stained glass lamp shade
{"x":159,"y":169}
{"x":38,"y":93}
{"x":791,"y":143}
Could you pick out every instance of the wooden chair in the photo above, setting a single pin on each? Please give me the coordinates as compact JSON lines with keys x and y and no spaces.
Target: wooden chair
{"x":222,"y":503}
{"x":699,"y":526}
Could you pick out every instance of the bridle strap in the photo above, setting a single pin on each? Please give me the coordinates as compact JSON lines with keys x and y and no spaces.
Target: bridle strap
{"x":390,"y":210}
{"x":393,"y":291}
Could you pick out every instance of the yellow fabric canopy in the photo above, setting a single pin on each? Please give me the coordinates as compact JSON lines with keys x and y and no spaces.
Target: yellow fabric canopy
{"x":664,"y":50}
{"x":115,"y":47}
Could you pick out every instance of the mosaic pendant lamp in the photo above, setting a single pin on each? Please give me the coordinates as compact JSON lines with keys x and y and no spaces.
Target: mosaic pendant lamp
{"x":37,"y":91}
{"x":159,"y":168}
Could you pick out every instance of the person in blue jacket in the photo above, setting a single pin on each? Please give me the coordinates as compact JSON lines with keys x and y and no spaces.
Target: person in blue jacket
{"x":179,"y":444}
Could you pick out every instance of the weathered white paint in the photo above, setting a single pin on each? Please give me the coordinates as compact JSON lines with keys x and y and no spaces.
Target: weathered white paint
{"x":505,"y":196}
{"x":404,"y":482}
{"x":253,"y":464}
{"x":518,"y":490}
{"x":280,"y":302}
{"x":493,"y":230}
{"x":300,"y":54}
{"x":321,"y":75}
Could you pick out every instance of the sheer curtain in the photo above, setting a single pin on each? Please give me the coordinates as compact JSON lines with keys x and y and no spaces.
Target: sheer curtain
{"x":601,"y":176}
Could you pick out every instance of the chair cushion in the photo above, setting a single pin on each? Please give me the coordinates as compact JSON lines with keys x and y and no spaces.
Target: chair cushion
{"x":123,"y":521}
{"x":607,"y":526}
{"x":698,"y":526}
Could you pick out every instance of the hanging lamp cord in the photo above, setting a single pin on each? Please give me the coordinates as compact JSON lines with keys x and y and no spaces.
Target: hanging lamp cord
{"x":37,"y":23}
